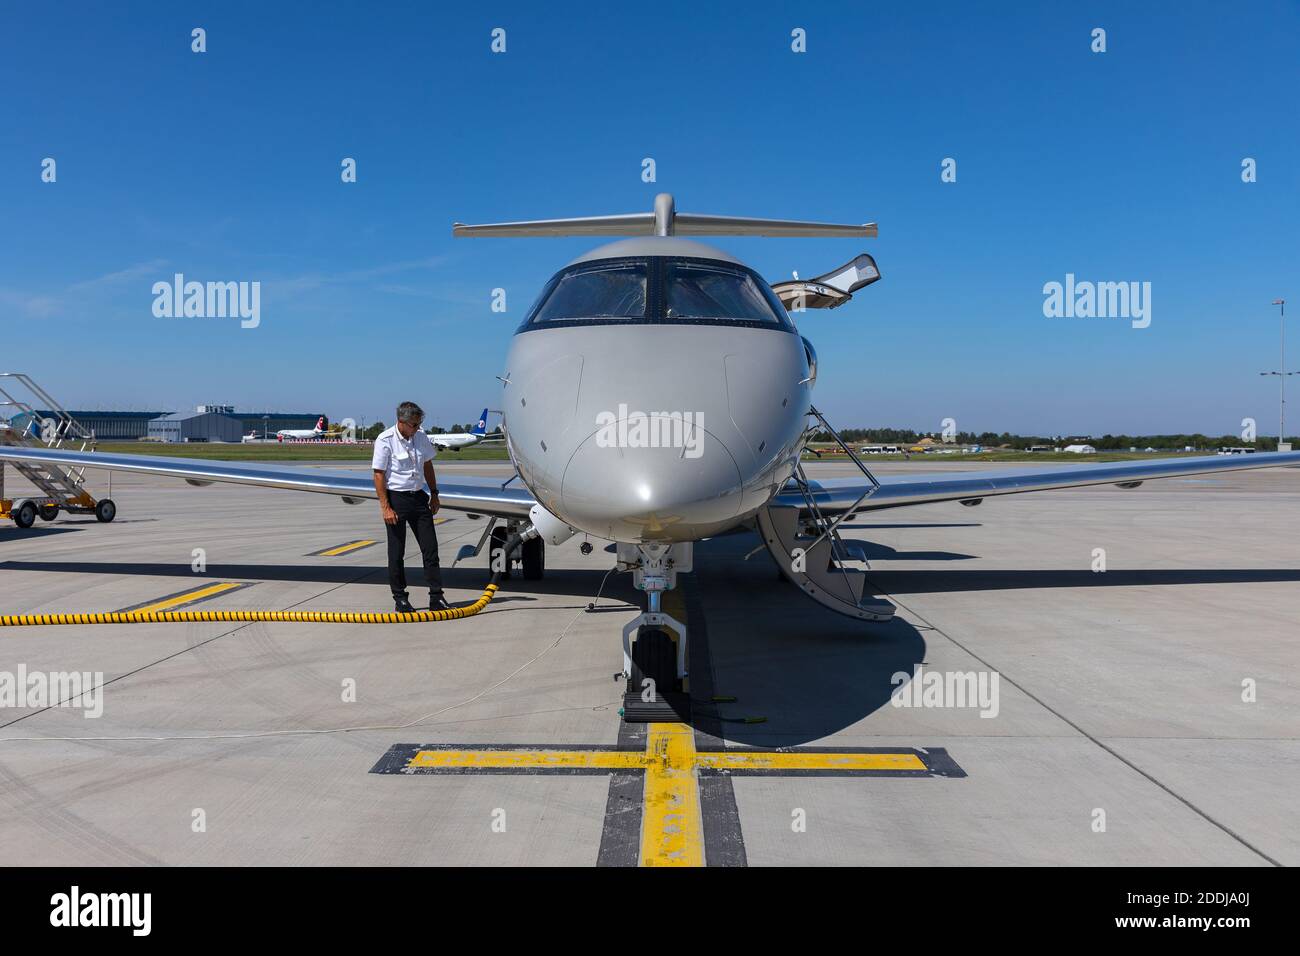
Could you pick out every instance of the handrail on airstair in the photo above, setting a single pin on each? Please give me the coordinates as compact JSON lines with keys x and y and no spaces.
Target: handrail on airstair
{"x":67,"y":425}
{"x":62,"y":487}
{"x":820,"y":520}
{"x":794,"y":537}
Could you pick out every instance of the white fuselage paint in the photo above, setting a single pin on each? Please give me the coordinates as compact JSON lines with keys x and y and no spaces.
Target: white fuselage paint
{"x":746,"y":388}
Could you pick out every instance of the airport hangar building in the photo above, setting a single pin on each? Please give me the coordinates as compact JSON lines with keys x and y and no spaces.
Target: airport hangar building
{"x":195,"y":426}
{"x":135,"y":426}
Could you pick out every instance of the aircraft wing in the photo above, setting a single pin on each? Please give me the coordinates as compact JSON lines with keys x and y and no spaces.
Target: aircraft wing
{"x":836,"y":495}
{"x":465,"y":493}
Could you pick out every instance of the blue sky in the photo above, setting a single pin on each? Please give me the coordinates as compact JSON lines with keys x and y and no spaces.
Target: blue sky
{"x":225,"y":166}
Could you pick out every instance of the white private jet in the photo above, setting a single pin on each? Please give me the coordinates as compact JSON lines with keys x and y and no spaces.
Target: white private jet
{"x":658,"y":393}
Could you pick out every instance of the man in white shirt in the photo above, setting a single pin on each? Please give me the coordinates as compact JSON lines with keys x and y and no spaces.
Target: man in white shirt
{"x":408,"y":494}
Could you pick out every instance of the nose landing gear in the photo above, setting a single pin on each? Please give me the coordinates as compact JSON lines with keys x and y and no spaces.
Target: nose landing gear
{"x":654,"y":692}
{"x":655,"y":665}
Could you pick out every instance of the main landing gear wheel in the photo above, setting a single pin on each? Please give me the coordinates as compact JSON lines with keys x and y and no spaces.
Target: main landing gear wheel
{"x":48,"y":512}
{"x":534,"y":559}
{"x":105,"y":510}
{"x":654,"y":658}
{"x":25,"y":516}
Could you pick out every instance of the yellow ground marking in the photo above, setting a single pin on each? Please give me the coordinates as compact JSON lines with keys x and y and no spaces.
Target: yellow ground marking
{"x":529,"y":759}
{"x":672,"y":828}
{"x":672,"y":824}
{"x":740,"y":760}
{"x":187,"y":597}
{"x":356,"y":545}
{"x":345,"y":548}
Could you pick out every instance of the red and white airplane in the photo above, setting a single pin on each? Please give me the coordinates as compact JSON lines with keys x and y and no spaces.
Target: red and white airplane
{"x":299,"y":433}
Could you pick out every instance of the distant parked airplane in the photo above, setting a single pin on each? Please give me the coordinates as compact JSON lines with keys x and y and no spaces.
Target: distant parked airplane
{"x":317,"y":432}
{"x":455,"y":441}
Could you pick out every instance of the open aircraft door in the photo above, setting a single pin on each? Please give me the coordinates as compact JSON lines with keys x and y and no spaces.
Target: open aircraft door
{"x":829,"y":291}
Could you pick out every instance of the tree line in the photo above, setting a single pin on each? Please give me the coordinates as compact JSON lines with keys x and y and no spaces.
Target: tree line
{"x":906,"y":436}
{"x":371,"y":432}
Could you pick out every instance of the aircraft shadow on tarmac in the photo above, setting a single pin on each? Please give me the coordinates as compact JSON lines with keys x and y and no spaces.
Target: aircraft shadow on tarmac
{"x":582,"y":583}
{"x":807,"y":671}
{"x":18,"y":534}
{"x":964,"y":524}
{"x":810,"y":672}
{"x":928,"y":581}
{"x":883,"y":552}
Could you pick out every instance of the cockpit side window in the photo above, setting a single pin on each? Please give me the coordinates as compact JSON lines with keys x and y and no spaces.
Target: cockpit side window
{"x":715,"y":292}
{"x":610,"y":291}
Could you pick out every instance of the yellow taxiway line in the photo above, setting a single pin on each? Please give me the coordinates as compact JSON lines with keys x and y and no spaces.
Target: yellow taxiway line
{"x":198,"y":594}
{"x":672,"y":828}
{"x":672,"y":823}
{"x":527,"y":760}
{"x":672,"y":818}
{"x":345,"y":548}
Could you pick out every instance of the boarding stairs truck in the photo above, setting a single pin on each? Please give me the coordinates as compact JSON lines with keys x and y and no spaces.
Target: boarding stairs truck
{"x":36,"y":420}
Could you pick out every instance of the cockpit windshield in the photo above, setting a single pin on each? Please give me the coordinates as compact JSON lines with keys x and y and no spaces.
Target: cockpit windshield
{"x":658,"y":289}
{"x":713,"y":292}
{"x":604,"y":292}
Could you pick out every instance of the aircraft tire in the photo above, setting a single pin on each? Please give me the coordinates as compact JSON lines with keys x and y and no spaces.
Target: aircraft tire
{"x":534,"y":559}
{"x":654,"y":656}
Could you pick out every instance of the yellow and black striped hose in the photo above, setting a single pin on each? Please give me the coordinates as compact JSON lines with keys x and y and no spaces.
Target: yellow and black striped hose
{"x":297,"y":617}
{"x":300,"y":617}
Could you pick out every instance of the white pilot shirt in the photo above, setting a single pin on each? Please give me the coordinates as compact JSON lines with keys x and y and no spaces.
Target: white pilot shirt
{"x":402,"y":461}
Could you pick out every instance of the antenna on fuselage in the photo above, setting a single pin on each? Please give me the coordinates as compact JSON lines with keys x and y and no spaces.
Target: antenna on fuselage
{"x":665,"y":220}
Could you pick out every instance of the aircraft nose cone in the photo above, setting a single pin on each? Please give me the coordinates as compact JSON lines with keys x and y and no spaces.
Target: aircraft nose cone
{"x":616,"y":486}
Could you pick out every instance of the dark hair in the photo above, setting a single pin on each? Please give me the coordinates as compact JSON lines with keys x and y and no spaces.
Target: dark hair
{"x":410,"y":413}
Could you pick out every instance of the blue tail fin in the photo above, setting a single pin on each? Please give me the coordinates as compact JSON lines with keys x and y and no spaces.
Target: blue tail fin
{"x":481,"y":427}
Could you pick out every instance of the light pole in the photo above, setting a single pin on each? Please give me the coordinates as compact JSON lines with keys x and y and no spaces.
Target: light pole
{"x":1281,"y":373}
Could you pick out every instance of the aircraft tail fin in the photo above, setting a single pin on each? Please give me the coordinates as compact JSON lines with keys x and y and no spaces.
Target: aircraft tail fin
{"x":481,"y":427}
{"x":665,"y":221}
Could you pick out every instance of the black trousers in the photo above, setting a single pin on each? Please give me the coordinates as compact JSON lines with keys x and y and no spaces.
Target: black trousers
{"x":412,"y":508}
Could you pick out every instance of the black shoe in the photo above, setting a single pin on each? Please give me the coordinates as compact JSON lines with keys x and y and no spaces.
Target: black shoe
{"x":438,"y":603}
{"x":403,"y":606}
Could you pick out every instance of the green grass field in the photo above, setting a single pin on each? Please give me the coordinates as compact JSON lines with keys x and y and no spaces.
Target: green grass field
{"x":275,"y":451}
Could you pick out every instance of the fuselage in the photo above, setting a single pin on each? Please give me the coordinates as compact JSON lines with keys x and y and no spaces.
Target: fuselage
{"x":657,"y":391}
